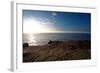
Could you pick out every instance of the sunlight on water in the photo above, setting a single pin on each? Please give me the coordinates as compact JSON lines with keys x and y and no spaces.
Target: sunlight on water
{"x":31,"y":39}
{"x":44,"y":38}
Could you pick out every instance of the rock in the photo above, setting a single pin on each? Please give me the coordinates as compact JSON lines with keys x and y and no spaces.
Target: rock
{"x":50,"y":42}
{"x":25,"y":45}
{"x":54,"y":42}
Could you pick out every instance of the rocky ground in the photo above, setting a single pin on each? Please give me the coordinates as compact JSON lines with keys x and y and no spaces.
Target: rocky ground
{"x":58,"y":51}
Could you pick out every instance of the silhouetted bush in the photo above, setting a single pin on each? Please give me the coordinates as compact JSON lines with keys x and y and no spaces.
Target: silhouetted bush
{"x":25,"y":45}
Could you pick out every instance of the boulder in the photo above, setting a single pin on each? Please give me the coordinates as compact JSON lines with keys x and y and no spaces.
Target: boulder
{"x":25,"y":45}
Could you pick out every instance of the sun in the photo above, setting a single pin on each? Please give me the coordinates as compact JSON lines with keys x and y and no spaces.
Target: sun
{"x":33,"y":26}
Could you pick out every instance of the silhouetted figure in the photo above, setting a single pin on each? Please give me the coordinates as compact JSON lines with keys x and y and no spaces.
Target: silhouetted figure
{"x":25,"y":45}
{"x":50,"y":42}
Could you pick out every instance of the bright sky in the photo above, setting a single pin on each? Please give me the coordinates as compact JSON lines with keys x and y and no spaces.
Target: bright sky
{"x":51,"y":22}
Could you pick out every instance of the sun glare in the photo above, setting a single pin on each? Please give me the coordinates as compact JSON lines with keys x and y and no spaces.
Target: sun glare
{"x":33,"y":26}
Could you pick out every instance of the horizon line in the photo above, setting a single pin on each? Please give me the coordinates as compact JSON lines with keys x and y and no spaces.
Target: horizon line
{"x":58,"y":32}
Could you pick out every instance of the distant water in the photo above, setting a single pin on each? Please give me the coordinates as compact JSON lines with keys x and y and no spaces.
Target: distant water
{"x":43,"y":38}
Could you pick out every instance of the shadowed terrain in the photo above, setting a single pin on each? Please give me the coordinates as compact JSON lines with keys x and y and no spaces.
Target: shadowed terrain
{"x":58,"y":51}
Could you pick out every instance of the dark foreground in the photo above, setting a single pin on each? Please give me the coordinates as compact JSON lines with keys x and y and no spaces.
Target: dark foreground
{"x":58,"y":51}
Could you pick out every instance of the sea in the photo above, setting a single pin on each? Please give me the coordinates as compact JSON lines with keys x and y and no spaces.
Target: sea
{"x":44,"y":38}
